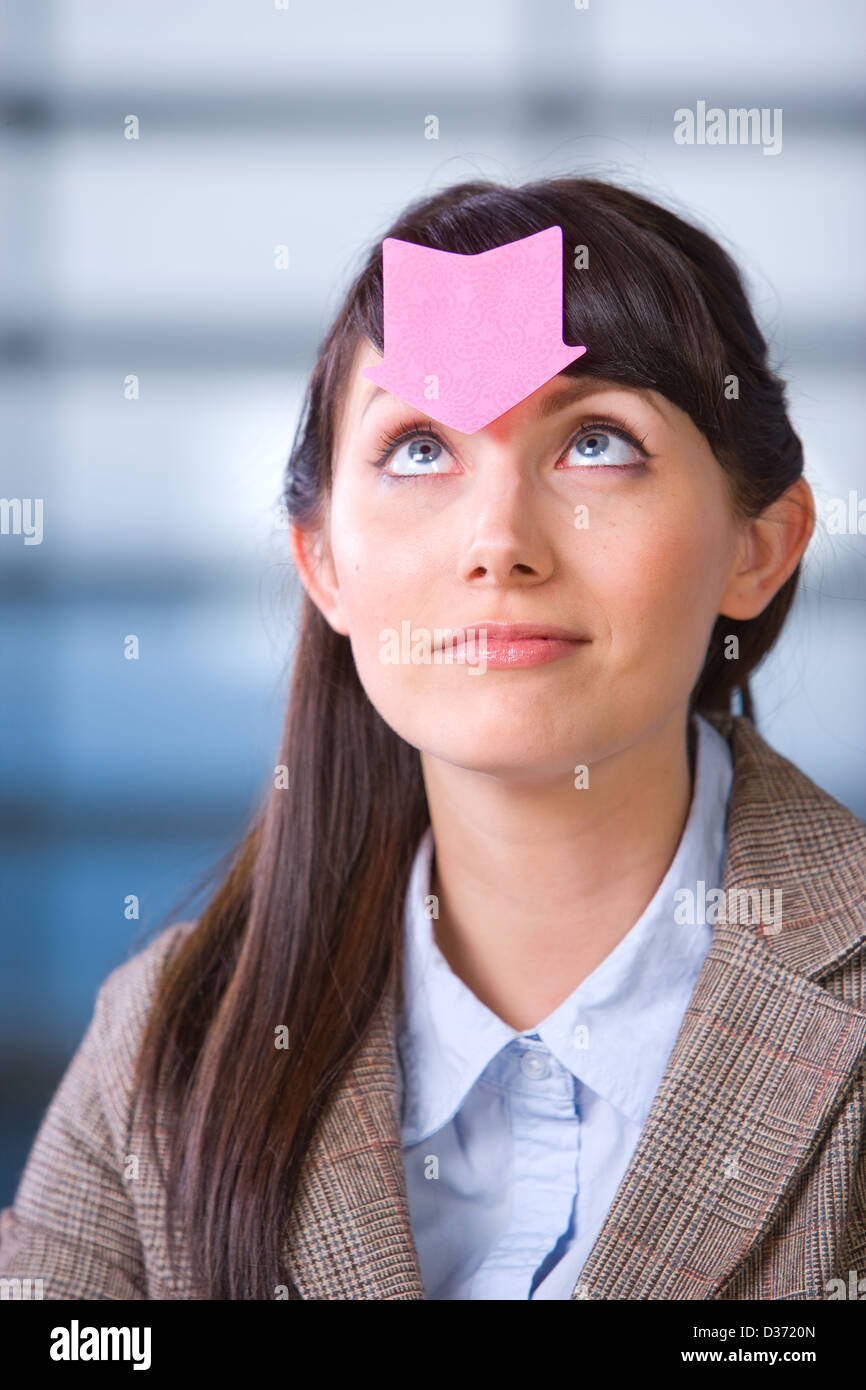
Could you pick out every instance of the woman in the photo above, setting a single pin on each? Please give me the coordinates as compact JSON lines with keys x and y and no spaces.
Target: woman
{"x":539,"y":974}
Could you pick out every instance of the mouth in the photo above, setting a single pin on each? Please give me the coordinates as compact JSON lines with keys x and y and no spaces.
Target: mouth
{"x":510,"y":645}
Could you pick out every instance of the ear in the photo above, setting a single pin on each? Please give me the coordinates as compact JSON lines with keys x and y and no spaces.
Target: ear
{"x":770,"y":548}
{"x":314,"y":562}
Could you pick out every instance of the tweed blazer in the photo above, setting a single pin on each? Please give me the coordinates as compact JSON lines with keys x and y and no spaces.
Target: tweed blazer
{"x":749,"y":1177}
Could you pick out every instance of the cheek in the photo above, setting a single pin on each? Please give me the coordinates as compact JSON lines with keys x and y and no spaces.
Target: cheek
{"x":657,"y":574}
{"x":362,"y":561}
{"x":387,"y":575}
{"x":384,"y":566}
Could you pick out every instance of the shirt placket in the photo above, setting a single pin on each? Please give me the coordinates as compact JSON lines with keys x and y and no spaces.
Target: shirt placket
{"x":545,"y":1138}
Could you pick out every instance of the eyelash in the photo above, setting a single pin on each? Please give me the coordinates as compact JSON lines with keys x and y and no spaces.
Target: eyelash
{"x":413,"y":429}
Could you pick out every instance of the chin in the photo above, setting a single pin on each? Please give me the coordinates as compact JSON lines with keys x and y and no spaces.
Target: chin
{"x":527,"y":750}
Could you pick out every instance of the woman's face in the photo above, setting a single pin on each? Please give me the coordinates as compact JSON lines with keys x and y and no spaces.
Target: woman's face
{"x":543,"y":518}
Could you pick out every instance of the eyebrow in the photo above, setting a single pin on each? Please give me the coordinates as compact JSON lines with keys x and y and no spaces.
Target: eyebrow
{"x":565,"y":395}
{"x":557,"y":400}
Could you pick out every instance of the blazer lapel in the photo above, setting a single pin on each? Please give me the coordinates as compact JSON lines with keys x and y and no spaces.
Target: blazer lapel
{"x":764,"y":1055}
{"x":762,"y":1060}
{"x":351,"y":1235}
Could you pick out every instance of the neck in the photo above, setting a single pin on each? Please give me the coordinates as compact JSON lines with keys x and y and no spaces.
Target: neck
{"x":537,"y":883}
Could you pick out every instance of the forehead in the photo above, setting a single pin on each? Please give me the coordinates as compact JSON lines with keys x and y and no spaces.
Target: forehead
{"x":365,"y":402}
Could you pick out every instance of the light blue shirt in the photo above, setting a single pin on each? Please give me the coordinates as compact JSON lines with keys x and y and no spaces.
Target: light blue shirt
{"x":515,"y":1142}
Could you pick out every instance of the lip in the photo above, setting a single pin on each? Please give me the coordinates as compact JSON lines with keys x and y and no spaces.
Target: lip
{"x":519,"y":632}
{"x":513,"y":645}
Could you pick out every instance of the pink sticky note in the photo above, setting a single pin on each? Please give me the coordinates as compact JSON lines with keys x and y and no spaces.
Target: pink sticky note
{"x":467,"y":337}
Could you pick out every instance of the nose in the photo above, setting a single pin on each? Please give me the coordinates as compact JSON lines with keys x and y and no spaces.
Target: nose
{"x":505,"y":541}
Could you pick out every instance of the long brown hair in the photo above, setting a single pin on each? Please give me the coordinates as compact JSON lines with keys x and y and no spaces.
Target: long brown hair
{"x":305,"y":928}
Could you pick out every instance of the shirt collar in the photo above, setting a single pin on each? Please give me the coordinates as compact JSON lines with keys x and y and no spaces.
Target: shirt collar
{"x":615,"y":1031}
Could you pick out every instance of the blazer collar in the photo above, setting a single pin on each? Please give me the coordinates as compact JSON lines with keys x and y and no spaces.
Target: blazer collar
{"x":706,"y":1178}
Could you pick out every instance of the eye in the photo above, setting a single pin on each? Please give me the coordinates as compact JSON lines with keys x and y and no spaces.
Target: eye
{"x":603,"y":444}
{"x":414,"y":452}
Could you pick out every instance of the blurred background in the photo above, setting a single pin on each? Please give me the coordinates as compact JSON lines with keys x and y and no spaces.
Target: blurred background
{"x":302,"y":125}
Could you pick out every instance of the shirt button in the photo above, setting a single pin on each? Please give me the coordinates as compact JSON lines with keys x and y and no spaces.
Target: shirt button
{"x":535,"y":1065}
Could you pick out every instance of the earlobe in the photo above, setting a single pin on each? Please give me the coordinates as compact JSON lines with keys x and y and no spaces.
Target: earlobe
{"x":315,"y":566}
{"x":772,"y":546}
